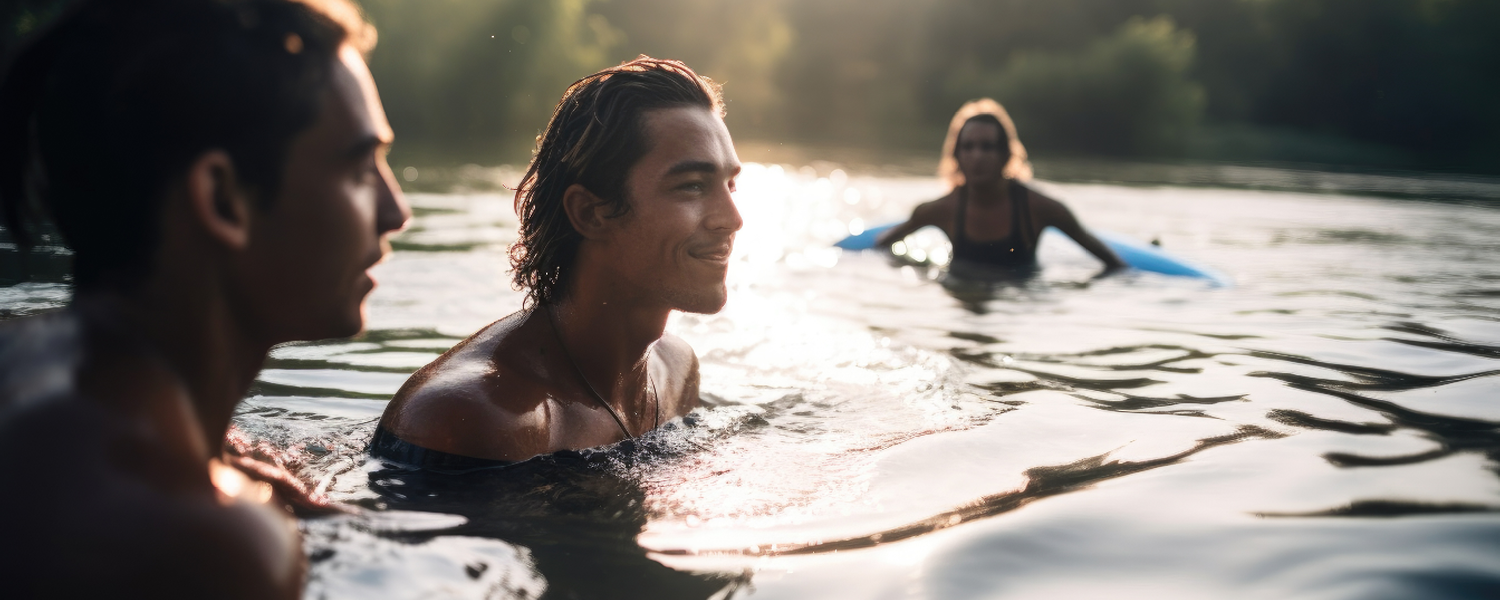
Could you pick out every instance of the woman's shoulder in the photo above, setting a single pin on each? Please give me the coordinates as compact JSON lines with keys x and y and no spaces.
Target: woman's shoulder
{"x":943,"y":206}
{"x":1038,"y":201}
{"x":947,"y":201}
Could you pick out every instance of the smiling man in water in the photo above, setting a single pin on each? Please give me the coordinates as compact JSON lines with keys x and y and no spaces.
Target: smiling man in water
{"x":626,"y":215}
{"x":217,"y":167}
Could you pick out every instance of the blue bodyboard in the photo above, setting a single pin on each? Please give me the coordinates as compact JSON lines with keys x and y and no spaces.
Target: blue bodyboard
{"x":1139,"y":255}
{"x":866,"y":240}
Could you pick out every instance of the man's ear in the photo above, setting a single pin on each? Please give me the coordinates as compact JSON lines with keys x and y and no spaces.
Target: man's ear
{"x":586,"y":211}
{"x":219,"y":204}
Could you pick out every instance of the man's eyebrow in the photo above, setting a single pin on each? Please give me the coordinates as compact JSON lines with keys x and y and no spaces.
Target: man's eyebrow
{"x":693,"y":166}
{"x":365,"y":145}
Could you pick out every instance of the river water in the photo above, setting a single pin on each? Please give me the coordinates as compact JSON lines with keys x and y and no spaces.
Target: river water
{"x":1326,"y":427}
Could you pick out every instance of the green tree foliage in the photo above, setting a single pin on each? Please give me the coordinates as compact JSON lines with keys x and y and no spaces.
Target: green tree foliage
{"x":474,"y":80}
{"x":742,"y":45}
{"x":846,"y":76}
{"x":1420,"y":74}
{"x":19,"y":18}
{"x":1128,"y":93}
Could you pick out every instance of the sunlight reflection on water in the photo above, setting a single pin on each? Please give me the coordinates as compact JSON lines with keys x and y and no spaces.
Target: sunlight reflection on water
{"x":875,"y":430}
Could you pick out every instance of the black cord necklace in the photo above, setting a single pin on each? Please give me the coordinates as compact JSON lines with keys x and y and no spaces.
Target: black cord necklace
{"x":650,"y":385}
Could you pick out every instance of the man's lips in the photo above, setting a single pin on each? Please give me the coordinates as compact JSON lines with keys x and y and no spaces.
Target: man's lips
{"x":381,"y":253}
{"x":718,"y":253}
{"x":373,"y":261}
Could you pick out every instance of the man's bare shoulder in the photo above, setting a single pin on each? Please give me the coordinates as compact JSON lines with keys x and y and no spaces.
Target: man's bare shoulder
{"x":474,"y":360}
{"x":104,"y":506}
{"x":237,"y":551}
{"x":677,"y":373}
{"x":676,"y":354}
{"x":485,"y":397}
{"x":124,"y":539}
{"x":39,"y":361}
{"x":42,"y":414}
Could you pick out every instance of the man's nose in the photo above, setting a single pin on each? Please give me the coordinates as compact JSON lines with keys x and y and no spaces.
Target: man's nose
{"x":725,"y":214}
{"x":391,"y":210}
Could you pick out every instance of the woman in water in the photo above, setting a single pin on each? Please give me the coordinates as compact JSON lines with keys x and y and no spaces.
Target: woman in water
{"x":992,"y":217}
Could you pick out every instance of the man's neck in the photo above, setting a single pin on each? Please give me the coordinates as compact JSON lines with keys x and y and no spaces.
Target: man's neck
{"x":608,"y":338}
{"x":184,"y":334}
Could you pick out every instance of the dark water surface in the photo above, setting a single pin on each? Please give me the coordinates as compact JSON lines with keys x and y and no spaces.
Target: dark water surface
{"x":1328,"y":427}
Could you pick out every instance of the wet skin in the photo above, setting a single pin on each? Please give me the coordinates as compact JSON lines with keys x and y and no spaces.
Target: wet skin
{"x":119,"y":403}
{"x":510,"y":391}
{"x":982,"y":154}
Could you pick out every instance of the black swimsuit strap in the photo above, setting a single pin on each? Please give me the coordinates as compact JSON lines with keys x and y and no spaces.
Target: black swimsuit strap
{"x":963,"y":204}
{"x":385,"y":445}
{"x":1020,"y":215}
{"x":1015,"y":250}
{"x":618,"y":421}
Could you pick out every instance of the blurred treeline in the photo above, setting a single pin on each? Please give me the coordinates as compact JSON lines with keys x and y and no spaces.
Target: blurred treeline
{"x":1412,"y":83}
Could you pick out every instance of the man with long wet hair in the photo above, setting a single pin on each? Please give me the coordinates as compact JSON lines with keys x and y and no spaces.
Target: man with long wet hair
{"x":217,"y":168}
{"x":626,"y":215}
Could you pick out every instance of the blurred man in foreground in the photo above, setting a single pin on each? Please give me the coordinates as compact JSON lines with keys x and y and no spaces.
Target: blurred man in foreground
{"x":626,"y":215}
{"x":217,"y":166}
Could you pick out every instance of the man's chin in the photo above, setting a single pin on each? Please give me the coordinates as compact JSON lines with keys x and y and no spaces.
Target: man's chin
{"x":344,"y":325}
{"x":350,"y":330}
{"x":706,"y":304}
{"x":355,"y":323}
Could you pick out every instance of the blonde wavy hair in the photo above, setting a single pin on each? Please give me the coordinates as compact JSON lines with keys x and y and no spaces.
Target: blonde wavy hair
{"x":1018,"y":167}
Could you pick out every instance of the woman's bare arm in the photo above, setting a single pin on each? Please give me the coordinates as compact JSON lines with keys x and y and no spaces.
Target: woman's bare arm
{"x":1056,"y":214}
{"x":922,"y":216}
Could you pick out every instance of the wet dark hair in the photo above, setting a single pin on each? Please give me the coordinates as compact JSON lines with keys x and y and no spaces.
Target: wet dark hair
{"x":104,"y":109}
{"x":595,"y":136}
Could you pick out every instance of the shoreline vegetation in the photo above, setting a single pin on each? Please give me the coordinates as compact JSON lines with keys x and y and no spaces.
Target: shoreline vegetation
{"x":51,"y":261}
{"x":425,"y":175}
{"x":1393,"y":84}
